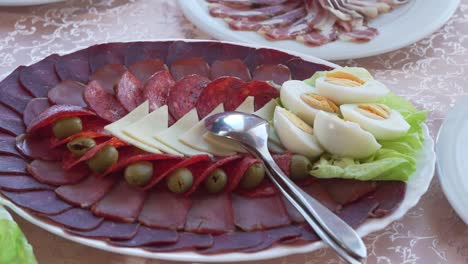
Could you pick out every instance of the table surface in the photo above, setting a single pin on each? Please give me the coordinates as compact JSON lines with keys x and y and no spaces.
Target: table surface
{"x":432,"y":73}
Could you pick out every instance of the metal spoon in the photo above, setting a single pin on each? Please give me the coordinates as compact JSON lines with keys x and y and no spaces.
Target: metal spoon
{"x":252,"y":133}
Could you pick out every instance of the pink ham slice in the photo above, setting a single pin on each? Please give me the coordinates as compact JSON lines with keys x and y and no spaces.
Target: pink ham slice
{"x":37,"y":147}
{"x":233,"y":68}
{"x":143,"y":70}
{"x":260,"y":13}
{"x":34,"y":108}
{"x":109,"y":76}
{"x":12,"y":165}
{"x":68,"y":93}
{"x":148,"y":236}
{"x":19,"y":183}
{"x":13,"y":93}
{"x":40,"y":77}
{"x":277,"y":21}
{"x":43,"y":202}
{"x":10,"y":122}
{"x":55,"y":112}
{"x":348,"y":191}
{"x":103,"y":103}
{"x":74,"y":66}
{"x":186,"y":241}
{"x":110,"y":230}
{"x":389,"y":195}
{"x":52,"y":173}
{"x":237,"y":241}
{"x":277,"y":73}
{"x":157,"y":89}
{"x":77,"y":219}
{"x":8,"y":147}
{"x":276,"y":235}
{"x":189,"y":66}
{"x":129,"y":91}
{"x":184,"y":95}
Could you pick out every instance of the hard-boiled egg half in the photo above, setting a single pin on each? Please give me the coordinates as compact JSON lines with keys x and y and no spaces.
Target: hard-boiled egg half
{"x":381,"y":121}
{"x":349,"y":86}
{"x":303,"y":101}
{"x":343,"y":138}
{"x":295,"y":135}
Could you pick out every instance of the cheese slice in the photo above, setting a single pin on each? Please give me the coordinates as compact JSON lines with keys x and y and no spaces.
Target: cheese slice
{"x":194,"y":137}
{"x":267,"y":111}
{"x":144,"y":129}
{"x":170,"y":136}
{"x":116,"y":129}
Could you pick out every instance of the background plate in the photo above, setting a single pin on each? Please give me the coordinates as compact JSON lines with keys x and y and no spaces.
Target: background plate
{"x":27,"y":2}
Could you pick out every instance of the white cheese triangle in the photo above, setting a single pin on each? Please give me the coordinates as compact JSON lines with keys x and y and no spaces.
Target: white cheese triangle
{"x":267,"y":111}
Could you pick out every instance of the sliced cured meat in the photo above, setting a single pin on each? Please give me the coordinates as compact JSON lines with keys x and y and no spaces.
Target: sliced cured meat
{"x":110,"y":230}
{"x":55,"y":112}
{"x":19,"y":183}
{"x":43,"y":202}
{"x":260,"y":13}
{"x":266,"y":56}
{"x":10,"y":122}
{"x":184,"y":95}
{"x":103,"y":103}
{"x":359,"y":35}
{"x":262,"y":91}
{"x":210,"y":214}
{"x":299,"y":27}
{"x":318,"y":38}
{"x":186,"y":241}
{"x":189,"y":66}
{"x":123,"y":203}
{"x":5,"y":136}
{"x":389,"y":195}
{"x":307,"y":235}
{"x":264,"y":189}
{"x":226,"y":51}
{"x":302,"y":70}
{"x":348,"y":191}
{"x":94,"y":124}
{"x":319,"y":192}
{"x":252,"y":214}
{"x":235,"y":171}
{"x":13,"y":93}
{"x":55,"y":142}
{"x":356,"y":213}
{"x":129,"y":91}
{"x":277,"y":21}
{"x":77,"y":219}
{"x":12,"y":165}
{"x":110,"y":53}
{"x":68,"y":92}
{"x":249,"y":3}
{"x":277,"y":73}
{"x":157,"y":88}
{"x":143,"y":70}
{"x":293,"y":213}
{"x":165,"y":210}
{"x":180,"y":50}
{"x":109,"y":76}
{"x":7,"y":147}
{"x":139,"y":51}
{"x":219,"y":91}
{"x":284,"y":162}
{"x":87,"y":192}
{"x":233,"y":68}
{"x":148,"y":236}
{"x":74,"y":66}
{"x":52,"y":173}
{"x":40,"y":77}
{"x":36,"y":147}
{"x":34,"y":108}
{"x":276,"y":235}
{"x":237,"y":241}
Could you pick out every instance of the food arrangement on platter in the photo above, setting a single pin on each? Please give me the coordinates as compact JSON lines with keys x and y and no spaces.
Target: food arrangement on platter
{"x":110,"y":144}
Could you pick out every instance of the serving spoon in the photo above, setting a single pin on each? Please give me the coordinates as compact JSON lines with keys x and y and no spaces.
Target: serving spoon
{"x":252,"y":133}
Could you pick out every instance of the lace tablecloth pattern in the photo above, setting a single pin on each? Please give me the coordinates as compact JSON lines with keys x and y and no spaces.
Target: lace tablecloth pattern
{"x":432,"y":73}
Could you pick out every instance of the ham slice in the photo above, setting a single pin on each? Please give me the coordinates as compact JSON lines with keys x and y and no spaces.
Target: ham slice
{"x":348,"y":191}
{"x":10,"y":122}
{"x":42,"y":202}
{"x":52,"y":173}
{"x":40,"y":77}
{"x":19,"y":183}
{"x":8,"y":147}
{"x":356,"y":213}
{"x":186,"y":241}
{"x":105,"y":54}
{"x":34,"y":108}
{"x":237,"y":241}
{"x":12,"y":165}
{"x":38,"y":147}
{"x":148,"y":236}
{"x":276,"y":235}
{"x":389,"y":195}
{"x":13,"y":93}
{"x":77,"y":219}
{"x":110,"y":230}
{"x":74,"y":66}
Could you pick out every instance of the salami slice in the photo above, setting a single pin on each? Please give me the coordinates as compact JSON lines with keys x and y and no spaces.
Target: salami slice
{"x":43,"y":202}
{"x":219,"y":91}
{"x":37,"y":147}
{"x":7,"y":147}
{"x":302,"y":69}
{"x":129,"y":91}
{"x":68,"y":93}
{"x":148,"y":236}
{"x":12,"y":165}
{"x":189,"y":66}
{"x":262,"y":91}
{"x":277,"y":73}
{"x":276,"y":235}
{"x":109,"y":76}
{"x":103,"y":103}
{"x":110,"y":230}
{"x":19,"y":183}
{"x":40,"y":77}
{"x":186,"y":241}
{"x":348,"y":191}
{"x":139,"y":51}
{"x":34,"y":108}
{"x":104,"y":54}
{"x":55,"y":112}
{"x":235,"y":171}
{"x":52,"y":173}
{"x":266,"y":56}
{"x":74,"y":66}
{"x":237,"y":241}
{"x":143,"y":70}
{"x":13,"y":93}
{"x":389,"y":195}
{"x":184,"y":95}
{"x":233,"y":68}
{"x":77,"y":219}
{"x":10,"y":122}
{"x":157,"y":88}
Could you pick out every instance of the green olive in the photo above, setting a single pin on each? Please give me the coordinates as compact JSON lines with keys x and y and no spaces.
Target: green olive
{"x":67,"y":126}
{"x":103,"y":159}
{"x":139,"y":173}
{"x":80,"y":145}
{"x":180,"y":180}
{"x":253,"y":176}
{"x":300,"y":167}
{"x":216,"y":181}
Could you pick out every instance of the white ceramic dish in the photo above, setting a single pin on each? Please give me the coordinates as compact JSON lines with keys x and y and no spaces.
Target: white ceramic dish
{"x":401,"y":27}
{"x":27,"y":2}
{"x":451,"y":157}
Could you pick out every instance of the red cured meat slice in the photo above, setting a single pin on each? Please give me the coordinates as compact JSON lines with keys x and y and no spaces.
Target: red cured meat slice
{"x":95,"y":124}
{"x":52,"y":173}
{"x":389,"y":195}
{"x":356,"y":213}
{"x":123,"y":203}
{"x":40,"y":77}
{"x":319,"y":192}
{"x":237,"y":241}
{"x":262,"y":91}
{"x":103,"y":103}
{"x":318,"y":38}
{"x":189,"y":66}
{"x":18,"y":183}
{"x":34,"y":108}
{"x":74,"y":66}
{"x":110,"y":53}
{"x":266,"y":56}
{"x":348,"y":191}
{"x":87,"y":192}
{"x":277,"y":73}
{"x":210,"y":214}
{"x":260,"y":13}
{"x":12,"y":165}
{"x":299,"y":27}
{"x":365,"y":34}
{"x":225,"y":51}
{"x":10,"y":122}
{"x":38,"y":148}
{"x":219,"y":91}
{"x":284,"y":162}
{"x":277,"y":21}
{"x":129,"y":91}
{"x":143,"y":70}
{"x":252,"y":214}
{"x":68,"y":93}
{"x":302,"y":70}
{"x":55,"y":142}
{"x":77,"y":219}
{"x":180,"y":50}
{"x":232,"y":68}
{"x":265,"y":189}
{"x":249,"y":3}
{"x":235,"y":171}
{"x":13,"y":93}
{"x":156,"y":89}
{"x":139,"y":51}
{"x":184,"y":95}
{"x":110,"y":230}
{"x":109,"y":76}
{"x":43,"y":202}
{"x":186,"y":241}
{"x":276,"y":235}
{"x":7,"y":147}
{"x":148,"y":236}
{"x":165,"y":210}
{"x":55,"y":112}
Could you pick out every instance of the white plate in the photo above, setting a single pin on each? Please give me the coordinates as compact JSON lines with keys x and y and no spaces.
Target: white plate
{"x":27,"y":2}
{"x":452,"y":154}
{"x":401,"y":27}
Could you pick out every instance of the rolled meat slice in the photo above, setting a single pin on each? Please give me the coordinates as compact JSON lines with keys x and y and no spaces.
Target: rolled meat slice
{"x":68,"y":93}
{"x":34,"y":108}
{"x":40,"y":77}
{"x":56,"y":142}
{"x":236,"y":170}
{"x":74,"y":66}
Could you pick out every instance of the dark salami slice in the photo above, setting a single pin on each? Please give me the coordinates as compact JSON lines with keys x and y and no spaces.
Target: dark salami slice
{"x":10,"y":122}
{"x":225,"y":51}
{"x":219,"y":91}
{"x":232,"y":68}
{"x":184,"y":95}
{"x":148,"y":236}
{"x":7,"y":147}
{"x":34,"y":108}
{"x":277,"y":73}
{"x":103,"y":103}
{"x":104,"y":54}
{"x":389,"y":195}
{"x":139,"y":51}
{"x":36,"y":147}
{"x":143,"y":70}
{"x":123,"y":203}
{"x":186,"y":241}
{"x":266,"y":56}
{"x":189,"y":66}
{"x":52,"y":173}
{"x":156,"y":89}
{"x":68,"y":93}
{"x":237,"y":241}
{"x":43,"y":202}
{"x":55,"y":112}
{"x":129,"y":91}
{"x":77,"y":219}
{"x":348,"y":191}
{"x":40,"y":77}
{"x":262,"y":91}
{"x":235,"y":171}
{"x":19,"y":183}
{"x":109,"y":76}
{"x":165,"y":210}
{"x":13,"y":93}
{"x":276,"y":235}
{"x":180,"y":50}
{"x":74,"y":66}
{"x":110,"y":230}
{"x":87,"y":192}
{"x":356,"y":213}
{"x":301,"y":69}
{"x":12,"y":165}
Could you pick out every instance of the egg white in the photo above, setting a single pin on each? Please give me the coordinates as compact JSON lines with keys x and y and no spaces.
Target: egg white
{"x":290,"y":95}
